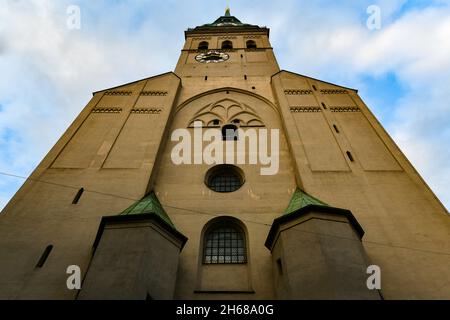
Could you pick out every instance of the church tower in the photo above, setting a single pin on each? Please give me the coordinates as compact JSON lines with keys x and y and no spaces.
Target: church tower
{"x":225,"y":179}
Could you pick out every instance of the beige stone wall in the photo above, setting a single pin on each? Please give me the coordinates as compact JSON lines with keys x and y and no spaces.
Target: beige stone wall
{"x":319,"y":256}
{"x":133,"y":260}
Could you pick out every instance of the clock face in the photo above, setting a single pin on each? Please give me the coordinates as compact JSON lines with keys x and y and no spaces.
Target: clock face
{"x":212,"y":57}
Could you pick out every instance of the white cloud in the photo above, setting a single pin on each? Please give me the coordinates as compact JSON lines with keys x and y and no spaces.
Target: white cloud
{"x":48,"y":71}
{"x":415,"y":47}
{"x":48,"y":74}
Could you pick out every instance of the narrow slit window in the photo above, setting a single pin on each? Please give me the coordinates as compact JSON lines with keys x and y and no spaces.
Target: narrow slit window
{"x":279,"y":266}
{"x":323,"y":105}
{"x":78,"y":196}
{"x":206,"y":78}
{"x":350,"y":157}
{"x":314,"y":87}
{"x":44,"y":256}
{"x":245,"y":77}
{"x":335,"y":128}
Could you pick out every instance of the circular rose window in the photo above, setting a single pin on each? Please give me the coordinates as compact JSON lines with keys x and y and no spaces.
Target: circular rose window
{"x":224,"y":178}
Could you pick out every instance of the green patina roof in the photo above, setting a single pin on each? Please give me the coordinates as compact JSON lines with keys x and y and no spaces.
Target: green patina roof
{"x":149,"y":205}
{"x":226,"y":20}
{"x":301,"y":199}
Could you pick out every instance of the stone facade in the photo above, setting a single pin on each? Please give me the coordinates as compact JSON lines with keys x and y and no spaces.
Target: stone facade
{"x":119,"y":150}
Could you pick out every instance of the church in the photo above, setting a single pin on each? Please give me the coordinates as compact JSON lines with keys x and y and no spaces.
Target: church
{"x":228,"y":178}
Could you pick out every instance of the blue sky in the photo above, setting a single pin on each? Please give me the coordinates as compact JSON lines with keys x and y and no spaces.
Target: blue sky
{"x":48,"y":71}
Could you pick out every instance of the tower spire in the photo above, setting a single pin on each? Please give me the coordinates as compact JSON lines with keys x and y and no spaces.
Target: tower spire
{"x":227,"y":11}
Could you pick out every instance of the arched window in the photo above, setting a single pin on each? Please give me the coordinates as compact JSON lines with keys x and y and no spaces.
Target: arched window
{"x":224,"y":178}
{"x":203,"y":45}
{"x":251,"y":44}
{"x":229,"y":132}
{"x":227,"y":44}
{"x":224,"y":243}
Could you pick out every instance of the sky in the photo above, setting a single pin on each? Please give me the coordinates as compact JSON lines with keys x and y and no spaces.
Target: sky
{"x":400,"y":63}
